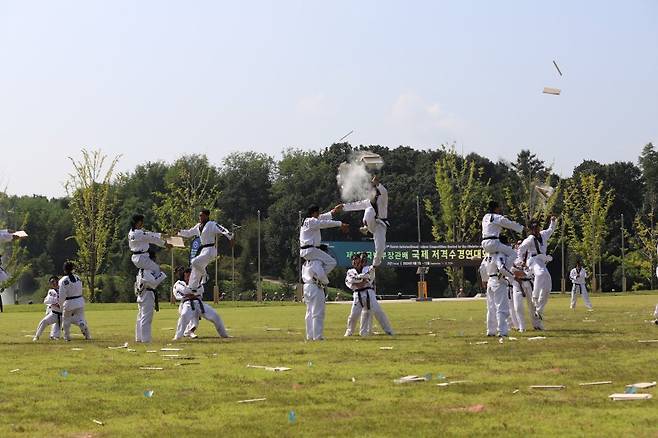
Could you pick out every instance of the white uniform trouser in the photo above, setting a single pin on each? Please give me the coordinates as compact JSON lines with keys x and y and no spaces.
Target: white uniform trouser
{"x":199,"y":264}
{"x":519,"y":297}
{"x":50,"y":318}
{"x":77,"y":317}
{"x":493,"y":246}
{"x":328,"y":262}
{"x":512,"y":311}
{"x":379,"y":314}
{"x":497,"y":307}
{"x":542,"y":285}
{"x":655,"y":313}
{"x":314,"y":299}
{"x":376,"y":226}
{"x":143,"y":261}
{"x":575,"y":290}
{"x":361,"y":311}
{"x":145,"y":309}
{"x":188,"y":315}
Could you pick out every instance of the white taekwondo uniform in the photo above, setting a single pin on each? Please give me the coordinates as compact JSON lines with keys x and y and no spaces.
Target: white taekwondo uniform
{"x":537,"y":259}
{"x":147,"y":303}
{"x":499,"y":274}
{"x":72,"y":304}
{"x":375,"y":218}
{"x":314,"y":299}
{"x":191,"y":309}
{"x":53,"y":316}
{"x":492,"y":225}
{"x":138,"y":242}
{"x":577,"y":277}
{"x":206,"y":232}
{"x":364,"y":302}
{"x":310,"y":238}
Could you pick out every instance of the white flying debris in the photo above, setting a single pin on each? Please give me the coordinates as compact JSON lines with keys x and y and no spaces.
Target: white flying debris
{"x":554,"y":91}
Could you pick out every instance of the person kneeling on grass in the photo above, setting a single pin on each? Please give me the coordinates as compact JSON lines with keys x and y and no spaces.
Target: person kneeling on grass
{"x":192,"y":307}
{"x":53,"y":312}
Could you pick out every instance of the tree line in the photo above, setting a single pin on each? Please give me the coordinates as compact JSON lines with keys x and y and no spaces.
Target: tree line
{"x":90,"y":224}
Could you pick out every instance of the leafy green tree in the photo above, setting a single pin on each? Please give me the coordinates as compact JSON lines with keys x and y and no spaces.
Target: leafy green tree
{"x":462,"y":200}
{"x":91,"y":206}
{"x":586,"y":206}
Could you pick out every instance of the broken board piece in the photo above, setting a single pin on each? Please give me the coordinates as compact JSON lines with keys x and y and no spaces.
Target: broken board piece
{"x":648,"y":341}
{"x":537,"y":338}
{"x":252,"y":400}
{"x":605,"y":382}
{"x":385,"y":348}
{"x":547,"y":387}
{"x":100,"y":423}
{"x":170,"y":349}
{"x":187,"y":363}
{"x":452,"y":383}
{"x":553,"y":91}
{"x":642,"y":385}
{"x":275,"y":369}
{"x":151,"y":368}
{"x":623,"y":397}
{"x":176,"y":241}
{"x":20,"y":233}
{"x":125,"y":345}
{"x":272,"y":329}
{"x":410,"y":379}
{"x":15,"y":370}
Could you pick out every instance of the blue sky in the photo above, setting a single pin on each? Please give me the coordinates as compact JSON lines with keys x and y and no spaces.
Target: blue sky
{"x":155,"y":79}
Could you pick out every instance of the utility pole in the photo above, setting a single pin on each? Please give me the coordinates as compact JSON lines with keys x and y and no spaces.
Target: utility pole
{"x":623,"y":267}
{"x":259,"y":290}
{"x":563,"y":281}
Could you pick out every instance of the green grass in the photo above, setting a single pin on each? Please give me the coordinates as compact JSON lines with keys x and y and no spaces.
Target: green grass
{"x":201,"y":400}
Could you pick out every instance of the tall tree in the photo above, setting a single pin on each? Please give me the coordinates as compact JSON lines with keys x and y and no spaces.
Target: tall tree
{"x":586,"y":206}
{"x":91,"y":210}
{"x":462,"y":200}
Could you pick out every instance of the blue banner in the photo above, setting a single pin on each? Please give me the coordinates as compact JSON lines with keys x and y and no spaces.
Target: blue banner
{"x":195,"y":248}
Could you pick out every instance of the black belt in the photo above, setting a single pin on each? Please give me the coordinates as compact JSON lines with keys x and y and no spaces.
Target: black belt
{"x":56,"y":313}
{"x":59,"y":318}
{"x":358,"y":291}
{"x":308,"y":246}
{"x":208,"y":245}
{"x":140,"y":252}
{"x":155,"y":297}
{"x":72,"y":298}
{"x":493,"y":275}
{"x":490,"y":238}
{"x":580,"y":288}
{"x":192,"y":300}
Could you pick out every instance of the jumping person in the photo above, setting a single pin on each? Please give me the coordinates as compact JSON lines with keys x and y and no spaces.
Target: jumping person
{"x":577,"y":277}
{"x":310,"y":238}
{"x":139,"y":240}
{"x":535,"y":245}
{"x":375,"y":217}
{"x":314,"y":298}
{"x":206,"y":230}
{"x":72,"y":302}
{"x":493,"y":224}
{"x":360,"y":279}
{"x":53,"y":312}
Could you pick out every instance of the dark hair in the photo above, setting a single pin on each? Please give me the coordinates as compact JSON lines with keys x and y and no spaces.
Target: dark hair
{"x":180,"y":272}
{"x":206,"y":212}
{"x":69,"y":266}
{"x":533,"y":223}
{"x":135,"y":220}
{"x":53,"y":278}
{"x":356,"y":256}
{"x":493,"y":205}
{"x":312,"y":209}
{"x":579,"y":262}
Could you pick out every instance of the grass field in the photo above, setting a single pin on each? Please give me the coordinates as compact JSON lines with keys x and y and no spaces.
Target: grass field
{"x":339,"y":387}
